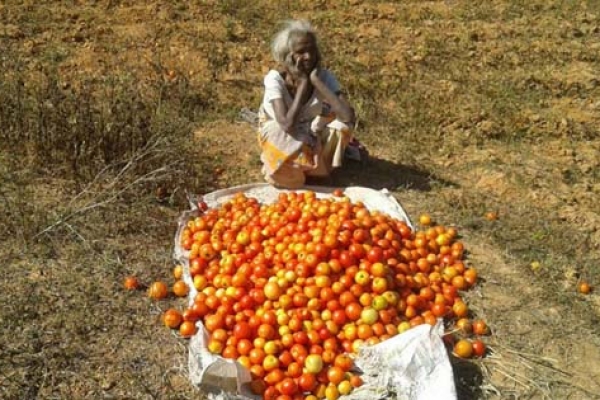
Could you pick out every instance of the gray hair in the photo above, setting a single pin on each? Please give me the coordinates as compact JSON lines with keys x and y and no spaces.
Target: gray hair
{"x":282,"y":43}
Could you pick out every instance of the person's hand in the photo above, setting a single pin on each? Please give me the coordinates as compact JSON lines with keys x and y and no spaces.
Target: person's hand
{"x":302,"y":73}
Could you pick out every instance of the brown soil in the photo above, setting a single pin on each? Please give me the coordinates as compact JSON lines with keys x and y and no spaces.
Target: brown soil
{"x":465,"y":108}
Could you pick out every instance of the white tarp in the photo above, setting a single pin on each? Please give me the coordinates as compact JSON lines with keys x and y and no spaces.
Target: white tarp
{"x":411,"y":366}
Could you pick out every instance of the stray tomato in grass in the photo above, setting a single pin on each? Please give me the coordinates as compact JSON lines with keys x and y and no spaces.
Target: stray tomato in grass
{"x":584,"y":287}
{"x":131,"y":283}
{"x":491,"y":215}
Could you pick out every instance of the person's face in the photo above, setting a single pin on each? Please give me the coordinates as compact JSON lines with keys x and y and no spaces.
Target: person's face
{"x":304,"y":52}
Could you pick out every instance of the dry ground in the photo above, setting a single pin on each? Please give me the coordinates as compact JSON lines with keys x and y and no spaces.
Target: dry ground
{"x":465,"y":106}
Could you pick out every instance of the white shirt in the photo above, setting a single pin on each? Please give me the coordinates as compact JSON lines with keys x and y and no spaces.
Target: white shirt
{"x":275,"y":89}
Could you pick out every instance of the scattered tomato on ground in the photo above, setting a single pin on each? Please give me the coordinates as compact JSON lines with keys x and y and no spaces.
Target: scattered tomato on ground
{"x":584,"y":287}
{"x":131,"y":283}
{"x":491,"y":215}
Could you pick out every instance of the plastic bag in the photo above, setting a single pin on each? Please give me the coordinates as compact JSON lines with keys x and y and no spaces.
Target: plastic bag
{"x":413,"y":365}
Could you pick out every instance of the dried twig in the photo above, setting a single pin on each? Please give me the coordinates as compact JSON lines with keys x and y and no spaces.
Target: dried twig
{"x":110,"y":196}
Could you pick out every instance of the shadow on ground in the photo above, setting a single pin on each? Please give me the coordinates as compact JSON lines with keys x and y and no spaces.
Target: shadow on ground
{"x":377,"y":173}
{"x":468,"y":379}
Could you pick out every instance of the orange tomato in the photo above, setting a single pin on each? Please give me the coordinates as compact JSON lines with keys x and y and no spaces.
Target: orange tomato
{"x":180,"y":288}
{"x":460,"y":309}
{"x":491,"y":215}
{"x":172,"y":318}
{"x":464,"y":325}
{"x":213,"y":322}
{"x":344,"y":362}
{"x":463,"y":348}
{"x":158,"y":290}
{"x":187,"y":329}
{"x":131,"y":283}
{"x":480,"y":327}
{"x":178,"y":271}
{"x":459,"y":282}
{"x":438,"y":309}
{"x":425,"y":219}
{"x":470,"y":276}
{"x":230,"y":352}
{"x":356,"y":381}
{"x":584,"y":287}
{"x":335,"y":374}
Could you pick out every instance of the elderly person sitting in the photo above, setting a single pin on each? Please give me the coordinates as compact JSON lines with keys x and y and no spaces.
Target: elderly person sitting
{"x":305,"y":123}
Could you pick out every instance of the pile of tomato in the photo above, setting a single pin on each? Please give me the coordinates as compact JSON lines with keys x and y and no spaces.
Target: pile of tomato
{"x":292,"y":290}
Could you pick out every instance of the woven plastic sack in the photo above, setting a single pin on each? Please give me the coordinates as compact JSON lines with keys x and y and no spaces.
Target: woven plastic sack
{"x":411,"y":366}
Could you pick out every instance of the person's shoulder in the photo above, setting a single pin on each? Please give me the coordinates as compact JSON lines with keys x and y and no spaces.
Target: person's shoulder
{"x":273,"y":76}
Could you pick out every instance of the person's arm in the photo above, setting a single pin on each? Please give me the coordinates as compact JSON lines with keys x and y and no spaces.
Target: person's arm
{"x":286,"y":117}
{"x":342,"y":109}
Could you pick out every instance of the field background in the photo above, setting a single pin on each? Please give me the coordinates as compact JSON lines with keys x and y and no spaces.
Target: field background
{"x":112,"y":111}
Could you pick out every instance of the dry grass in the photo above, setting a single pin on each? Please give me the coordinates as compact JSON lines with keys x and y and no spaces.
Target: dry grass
{"x":112,"y":110}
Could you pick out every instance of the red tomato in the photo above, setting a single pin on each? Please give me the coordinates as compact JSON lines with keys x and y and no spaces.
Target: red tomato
{"x":375,"y":254}
{"x":288,"y":387}
{"x":347,"y":259}
{"x":307,"y":382}
{"x":242,"y":330}
{"x":479,"y":348}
